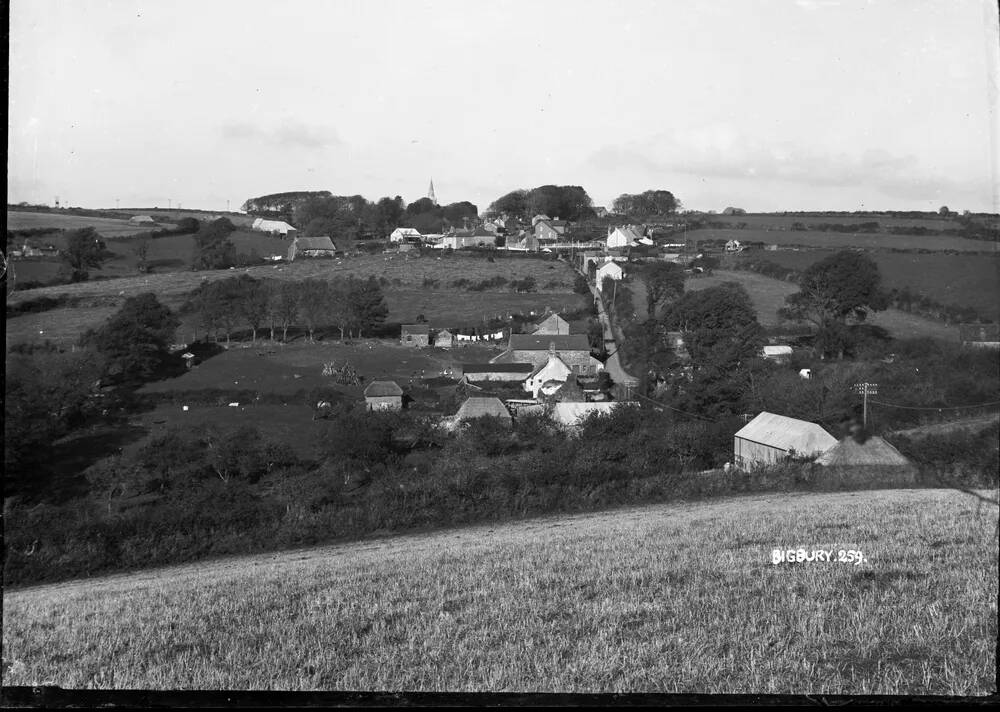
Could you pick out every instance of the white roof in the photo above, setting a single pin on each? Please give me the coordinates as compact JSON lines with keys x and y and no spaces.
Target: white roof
{"x":608,"y":267}
{"x":413,"y":232}
{"x":777,"y":350}
{"x":271,"y":225}
{"x":786,"y":434}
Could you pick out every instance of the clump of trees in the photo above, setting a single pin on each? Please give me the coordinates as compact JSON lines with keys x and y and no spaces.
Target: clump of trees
{"x":566,"y":202}
{"x":646,"y":204}
{"x":350,"y":306}
{"x":213,"y":248}
{"x":135,"y":341}
{"x":85,"y":250}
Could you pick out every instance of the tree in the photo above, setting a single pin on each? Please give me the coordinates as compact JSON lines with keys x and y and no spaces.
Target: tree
{"x":843,"y":287}
{"x":645,"y":204}
{"x":314,"y":300}
{"x":664,"y":282}
{"x":513,"y":203}
{"x":141,"y":250}
{"x":135,"y":340}
{"x":367,"y":304}
{"x":84,"y":249}
{"x":283,"y":306}
{"x":213,"y":248}
{"x":253,"y":302}
{"x":944,"y":212}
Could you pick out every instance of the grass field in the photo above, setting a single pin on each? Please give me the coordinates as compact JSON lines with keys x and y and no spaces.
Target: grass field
{"x":785,"y":222}
{"x":768,"y":296}
{"x":959,"y":280}
{"x":675,"y":598}
{"x":841,"y":240}
{"x":107,"y":227}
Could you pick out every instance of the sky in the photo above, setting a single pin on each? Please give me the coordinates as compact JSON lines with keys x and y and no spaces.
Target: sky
{"x":760,"y":104}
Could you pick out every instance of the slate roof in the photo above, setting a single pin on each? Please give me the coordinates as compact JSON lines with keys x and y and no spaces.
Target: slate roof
{"x":541,"y":342}
{"x":779,"y":431}
{"x":480,"y":407}
{"x":416,"y":329}
{"x":468,"y":368}
{"x":377,"y":389}
{"x":314,"y":243}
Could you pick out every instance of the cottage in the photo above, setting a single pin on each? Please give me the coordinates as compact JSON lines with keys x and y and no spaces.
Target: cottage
{"x":623,"y":236}
{"x":418,"y":335}
{"x":778,"y":353}
{"x":573,"y":349}
{"x":141,"y":220}
{"x":478,"y":237}
{"x":771,"y":438}
{"x":608,"y":269}
{"x":550,"y":230}
{"x":482,"y":407}
{"x":548,"y":377}
{"x":383,"y":395}
{"x":275,"y":227}
{"x":553,"y":324}
{"x":980,"y":335}
{"x":405,"y":234}
{"x":321,"y":246}
{"x":733,"y":246}
{"x":444,"y":339}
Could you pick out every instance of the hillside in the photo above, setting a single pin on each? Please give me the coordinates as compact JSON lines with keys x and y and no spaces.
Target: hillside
{"x":678,"y":598}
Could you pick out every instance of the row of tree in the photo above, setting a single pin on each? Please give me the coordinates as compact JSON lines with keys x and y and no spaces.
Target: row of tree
{"x":350,"y":305}
{"x":566,"y":202}
{"x":647,"y":204}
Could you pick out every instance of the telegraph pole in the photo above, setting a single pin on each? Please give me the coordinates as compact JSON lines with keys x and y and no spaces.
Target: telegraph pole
{"x":866,"y":389}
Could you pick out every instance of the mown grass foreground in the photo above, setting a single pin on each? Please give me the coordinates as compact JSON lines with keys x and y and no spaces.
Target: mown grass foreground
{"x":676,"y":598}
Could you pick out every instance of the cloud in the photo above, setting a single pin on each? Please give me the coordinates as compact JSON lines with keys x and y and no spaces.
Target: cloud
{"x":720,"y":151}
{"x":287,"y":134}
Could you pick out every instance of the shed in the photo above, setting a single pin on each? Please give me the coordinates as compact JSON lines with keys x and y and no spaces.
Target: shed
{"x":770,"y":438}
{"x":481,"y":407}
{"x":873,"y":460}
{"x":778,"y":353}
{"x":383,"y":395}
{"x":415,"y":335}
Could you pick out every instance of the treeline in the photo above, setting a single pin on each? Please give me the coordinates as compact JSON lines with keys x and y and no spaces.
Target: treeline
{"x":350,"y":306}
{"x":565,"y":202}
{"x":189,"y":495}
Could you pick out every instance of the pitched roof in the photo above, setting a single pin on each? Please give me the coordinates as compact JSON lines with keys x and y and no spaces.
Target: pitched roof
{"x":873,"y":451}
{"x":468,"y":368}
{"x":785,"y":433}
{"x":552,"y":360}
{"x":777,"y":350}
{"x":552,"y":324}
{"x":407,"y":231}
{"x":416,"y":329}
{"x":479,"y":407}
{"x":542,"y":342}
{"x":314,"y":243}
{"x":377,"y":389}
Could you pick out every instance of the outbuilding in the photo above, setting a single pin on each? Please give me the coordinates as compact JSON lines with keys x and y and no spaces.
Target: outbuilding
{"x":770,"y":438}
{"x":483,"y":407}
{"x":857,"y":460}
{"x":383,"y":395}
{"x":418,"y":335}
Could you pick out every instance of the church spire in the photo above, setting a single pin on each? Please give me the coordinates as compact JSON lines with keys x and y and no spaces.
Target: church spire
{"x":430,"y":193}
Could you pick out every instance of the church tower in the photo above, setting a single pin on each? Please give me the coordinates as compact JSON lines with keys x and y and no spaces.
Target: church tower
{"x":430,"y":193}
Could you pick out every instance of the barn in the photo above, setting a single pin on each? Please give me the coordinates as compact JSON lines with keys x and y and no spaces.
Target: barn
{"x":770,"y":438}
{"x":321,"y":246}
{"x":383,"y":395}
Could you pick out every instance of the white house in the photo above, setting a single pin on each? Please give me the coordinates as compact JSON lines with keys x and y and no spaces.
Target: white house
{"x":622,"y":236}
{"x":554,"y":372}
{"x":277,"y":227}
{"x":402,"y":234}
{"x":608,"y":269}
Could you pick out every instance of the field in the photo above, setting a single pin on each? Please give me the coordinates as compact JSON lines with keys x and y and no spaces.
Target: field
{"x":405,"y":296}
{"x":669,"y":598}
{"x":768,"y":296}
{"x":107,"y":227}
{"x":959,"y":280}
{"x":842,"y":240}
{"x":785,"y":222}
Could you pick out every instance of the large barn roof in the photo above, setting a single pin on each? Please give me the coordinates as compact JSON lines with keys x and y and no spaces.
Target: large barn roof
{"x":480,"y":407}
{"x":779,"y":431}
{"x":542,"y":342}
{"x":874,"y":451}
{"x":314,"y":243}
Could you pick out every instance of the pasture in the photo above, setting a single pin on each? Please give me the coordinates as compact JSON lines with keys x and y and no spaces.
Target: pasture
{"x":107,"y":227}
{"x":777,"y":221}
{"x":681,"y":598}
{"x":959,"y":280}
{"x":843,"y":240}
{"x":768,"y":296}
